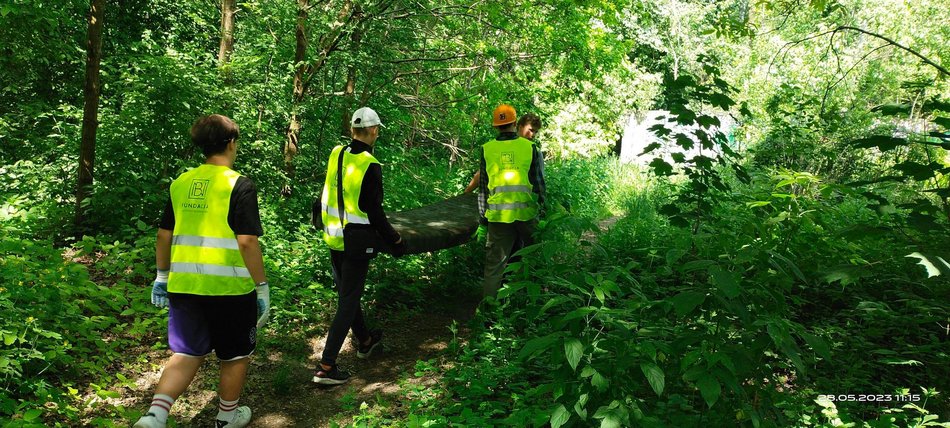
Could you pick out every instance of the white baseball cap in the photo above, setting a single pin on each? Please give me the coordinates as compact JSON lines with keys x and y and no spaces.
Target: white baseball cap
{"x":365,"y":117}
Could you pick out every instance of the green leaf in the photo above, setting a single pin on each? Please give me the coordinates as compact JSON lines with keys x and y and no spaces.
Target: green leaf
{"x":818,"y":344}
{"x":882,"y":142}
{"x":725,"y":281}
{"x":9,"y":338}
{"x":937,"y":105}
{"x":32,"y":414}
{"x":684,"y":141}
{"x":599,"y":293}
{"x":935,"y":265}
{"x":721,"y":100}
{"x":560,"y":416}
{"x":687,"y":301}
{"x":918,"y":171}
{"x":573,"y":350}
{"x":847,"y":274}
{"x":588,"y":371}
{"x":580,"y":405}
{"x":107,"y":394}
{"x":599,"y":381}
{"x":709,"y":388}
{"x":696,"y":265}
{"x":661,"y":168}
{"x":536,"y":345}
{"x":649,"y":148}
{"x":708,"y":121}
{"x":784,"y":342}
{"x":893,"y":109}
{"x":744,"y":110}
{"x":610,"y":421}
{"x":943,"y":121}
{"x":654,"y":376}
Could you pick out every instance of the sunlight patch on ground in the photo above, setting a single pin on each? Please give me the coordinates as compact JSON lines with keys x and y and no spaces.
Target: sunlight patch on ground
{"x":435,"y":346}
{"x":274,"y":420}
{"x":383,"y":387}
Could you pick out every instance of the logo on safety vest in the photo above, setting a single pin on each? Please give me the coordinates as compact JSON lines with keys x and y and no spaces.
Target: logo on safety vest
{"x":508,"y":158}
{"x":199,"y":189}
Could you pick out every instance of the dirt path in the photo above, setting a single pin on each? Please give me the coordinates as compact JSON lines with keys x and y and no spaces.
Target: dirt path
{"x":279,"y":388}
{"x":420,"y":336}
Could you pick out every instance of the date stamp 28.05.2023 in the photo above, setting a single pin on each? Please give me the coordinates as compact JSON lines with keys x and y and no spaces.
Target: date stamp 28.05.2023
{"x":870,"y":398}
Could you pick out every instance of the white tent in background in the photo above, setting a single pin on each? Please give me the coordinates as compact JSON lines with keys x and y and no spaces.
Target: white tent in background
{"x":637,"y":136}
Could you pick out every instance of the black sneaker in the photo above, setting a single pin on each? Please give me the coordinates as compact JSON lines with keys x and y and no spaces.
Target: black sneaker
{"x":375,"y":341}
{"x":333,"y":376}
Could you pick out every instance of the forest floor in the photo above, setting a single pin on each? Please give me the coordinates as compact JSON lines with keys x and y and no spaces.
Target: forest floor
{"x":280,"y":390}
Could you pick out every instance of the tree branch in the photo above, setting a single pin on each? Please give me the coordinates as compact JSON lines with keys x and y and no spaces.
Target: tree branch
{"x":891,"y":41}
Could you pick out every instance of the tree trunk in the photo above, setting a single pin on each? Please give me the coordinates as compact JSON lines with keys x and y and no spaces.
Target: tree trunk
{"x":227,"y":31}
{"x":326,"y":45}
{"x":350,"y":89}
{"x":90,"y":116}
{"x":291,"y":147}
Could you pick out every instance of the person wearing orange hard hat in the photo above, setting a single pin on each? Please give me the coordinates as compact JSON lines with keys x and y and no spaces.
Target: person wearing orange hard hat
{"x":528,"y":127}
{"x":510,"y":194}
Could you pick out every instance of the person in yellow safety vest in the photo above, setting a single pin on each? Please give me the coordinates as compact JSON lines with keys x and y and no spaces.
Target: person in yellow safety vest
{"x":528,"y":127}
{"x":362,"y":180}
{"x":510,"y":194}
{"x":210,"y":275}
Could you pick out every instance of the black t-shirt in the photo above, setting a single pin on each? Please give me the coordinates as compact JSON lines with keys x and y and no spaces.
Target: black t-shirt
{"x":244,"y":217}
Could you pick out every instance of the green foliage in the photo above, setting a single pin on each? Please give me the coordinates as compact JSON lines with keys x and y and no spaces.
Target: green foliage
{"x":58,"y":324}
{"x":785,"y":283}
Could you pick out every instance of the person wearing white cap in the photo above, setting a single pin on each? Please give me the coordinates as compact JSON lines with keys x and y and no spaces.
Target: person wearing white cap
{"x":359,"y":204}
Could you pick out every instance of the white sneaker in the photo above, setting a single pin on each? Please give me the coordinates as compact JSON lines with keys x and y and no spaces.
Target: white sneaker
{"x":242,"y":416}
{"x":148,"y":421}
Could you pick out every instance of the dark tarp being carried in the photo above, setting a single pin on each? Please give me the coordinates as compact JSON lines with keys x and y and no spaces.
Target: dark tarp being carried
{"x":434,"y":227}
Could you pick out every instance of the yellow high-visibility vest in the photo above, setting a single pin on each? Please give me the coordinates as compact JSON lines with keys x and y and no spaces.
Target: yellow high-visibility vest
{"x":205,"y":259}
{"x":354,"y":169}
{"x":510,"y":196}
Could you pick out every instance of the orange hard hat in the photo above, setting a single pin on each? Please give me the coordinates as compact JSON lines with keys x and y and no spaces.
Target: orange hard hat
{"x":503,"y":115}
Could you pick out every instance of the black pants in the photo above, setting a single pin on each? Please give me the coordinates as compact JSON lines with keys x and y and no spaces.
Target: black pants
{"x":349,"y":276}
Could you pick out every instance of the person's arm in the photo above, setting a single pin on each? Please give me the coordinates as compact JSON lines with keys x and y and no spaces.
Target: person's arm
{"x":472,"y":185}
{"x":250,"y":248}
{"x":163,"y":243}
{"x":371,"y":202}
{"x":482,"y":185}
{"x":536,"y":174}
{"x":163,"y":249}
{"x":244,"y":218}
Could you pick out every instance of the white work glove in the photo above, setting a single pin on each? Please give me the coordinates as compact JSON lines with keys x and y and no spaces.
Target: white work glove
{"x":263,"y":303}
{"x":160,"y":289}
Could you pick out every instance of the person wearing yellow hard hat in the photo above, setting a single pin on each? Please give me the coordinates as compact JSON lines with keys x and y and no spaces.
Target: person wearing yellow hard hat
{"x":510,"y":194}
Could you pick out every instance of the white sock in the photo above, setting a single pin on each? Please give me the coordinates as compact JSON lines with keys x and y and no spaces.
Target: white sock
{"x":226,"y":409}
{"x":161,"y":405}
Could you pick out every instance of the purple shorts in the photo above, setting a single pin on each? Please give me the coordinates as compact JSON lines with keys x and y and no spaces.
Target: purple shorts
{"x":199,"y":324}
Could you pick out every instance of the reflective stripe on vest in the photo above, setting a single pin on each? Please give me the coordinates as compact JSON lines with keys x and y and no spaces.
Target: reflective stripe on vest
{"x":204,"y":241}
{"x":510,"y":194}
{"x":205,"y":258}
{"x":215,"y":270}
{"x":354,"y":169}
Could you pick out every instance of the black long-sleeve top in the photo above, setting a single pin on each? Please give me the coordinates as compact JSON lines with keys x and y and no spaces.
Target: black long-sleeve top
{"x":371,"y":195}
